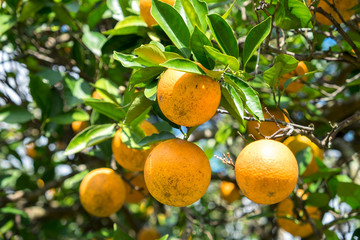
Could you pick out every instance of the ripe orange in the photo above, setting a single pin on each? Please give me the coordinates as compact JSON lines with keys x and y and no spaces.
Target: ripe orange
{"x":96,"y":95}
{"x":148,"y":234}
{"x":30,"y":150}
{"x":177,"y":173}
{"x":298,"y":84}
{"x":266,"y":171}
{"x":298,"y":143}
{"x":78,"y":126}
{"x":131,"y":159}
{"x":138,"y":181}
{"x":188,"y":99}
{"x":102,"y":192}
{"x":343,"y":6}
{"x":301,"y":227}
{"x":145,"y":6}
{"x":229,"y":191}
{"x":267,"y":128}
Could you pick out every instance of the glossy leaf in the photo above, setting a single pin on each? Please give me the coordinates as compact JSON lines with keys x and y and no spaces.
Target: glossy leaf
{"x":127,"y":60}
{"x":75,"y":90}
{"x":120,"y":234}
{"x":109,"y":109}
{"x":223,"y":34}
{"x":318,"y":199}
{"x":94,"y":41}
{"x":6,"y":23}
{"x":227,"y":60}
{"x":255,"y":37}
{"x":293,"y":14}
{"x":14,"y":114}
{"x":138,"y":105}
{"x":129,"y":25}
{"x":198,"y":42}
{"x":64,"y":16}
{"x":50,"y":76}
{"x":191,"y":13}
{"x":304,"y":158}
{"x":227,"y":102}
{"x":349,"y":193}
{"x":150,"y":53}
{"x":201,"y":11}
{"x":283,"y":64}
{"x":29,"y":9}
{"x":225,"y":16}
{"x":183,"y":65}
{"x":155,"y":138}
{"x":144,"y":75}
{"x":71,"y":116}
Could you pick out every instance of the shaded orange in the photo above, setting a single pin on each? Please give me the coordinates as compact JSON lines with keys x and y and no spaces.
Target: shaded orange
{"x":286,"y":209}
{"x":30,"y":150}
{"x":148,"y":234}
{"x":266,"y":171}
{"x":188,"y":99}
{"x":267,"y":128}
{"x":298,"y":143}
{"x":96,"y":95}
{"x":102,"y":192}
{"x":139,"y":190}
{"x":177,"y":173}
{"x":298,"y":84}
{"x":131,"y":159}
{"x":229,"y":191}
{"x":78,"y":126}
{"x":145,"y":6}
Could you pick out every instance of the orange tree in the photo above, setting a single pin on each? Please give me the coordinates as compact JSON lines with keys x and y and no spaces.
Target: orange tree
{"x":229,"y":62}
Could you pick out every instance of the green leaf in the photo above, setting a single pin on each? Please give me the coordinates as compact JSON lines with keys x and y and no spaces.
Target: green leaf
{"x":223,"y":34}
{"x":96,"y":14}
{"x":172,"y":24}
{"x":290,"y":80}
{"x":191,"y":13}
{"x":109,"y":109}
{"x":94,"y":41}
{"x":198,"y":42}
{"x":92,"y":135}
{"x":75,"y":90}
{"x":349,"y":193}
{"x":201,"y":11}
{"x":150,"y":91}
{"x":14,"y":114}
{"x":6,"y":23}
{"x":144,"y":75}
{"x":150,"y":53}
{"x":6,"y":227}
{"x":14,"y":211}
{"x":50,"y":76}
{"x":255,"y":37}
{"x":304,"y":158}
{"x":283,"y":64}
{"x":183,"y":65}
{"x":356,"y":234}
{"x":318,"y":199}
{"x":228,"y":60}
{"x":293,"y":14}
{"x":236,"y":110}
{"x":109,"y":89}
{"x":120,"y":234}
{"x":127,"y":60}
{"x":155,"y":138}
{"x":64,"y":16}
{"x":165,"y":237}
{"x":29,"y":9}
{"x":225,"y":16}
{"x":130,"y":25}
{"x":43,"y":100}
{"x":131,"y":136}
{"x":353,"y":83}
{"x":71,"y":116}
{"x":138,"y":105}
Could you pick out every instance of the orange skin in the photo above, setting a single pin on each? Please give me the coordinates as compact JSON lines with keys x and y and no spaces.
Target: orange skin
{"x":286,"y":209}
{"x":229,"y":191}
{"x":138,"y":181}
{"x":343,"y":6}
{"x":266,"y":171}
{"x":102,"y":192}
{"x":267,"y":128}
{"x":78,"y":126}
{"x":131,"y":159}
{"x":298,"y":143}
{"x":148,"y":234}
{"x":177,"y":173}
{"x":188,"y":99}
{"x":145,"y":6}
{"x":298,"y":84}
{"x":30,"y":150}
{"x":96,"y":95}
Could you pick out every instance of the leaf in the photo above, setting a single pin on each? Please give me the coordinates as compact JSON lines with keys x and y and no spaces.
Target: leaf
{"x":131,"y":136}
{"x":64,"y":16}
{"x":71,"y":116}
{"x":198,"y":42}
{"x":225,"y":16}
{"x":94,"y":41}
{"x":129,"y":25}
{"x":183,"y":65}
{"x":155,"y":138}
{"x":353,"y":83}
{"x":349,"y":193}
{"x":138,"y":105}
{"x":283,"y":64}
{"x":330,"y":235}
{"x":191,"y":13}
{"x":172,"y":24}
{"x":108,"y":87}
{"x":127,"y":60}
{"x":304,"y":158}
{"x":227,"y":101}
{"x":356,"y":234}
{"x":165,"y":237}
{"x":150,"y":91}
{"x":223,"y":34}
{"x":255,"y":37}
{"x":109,"y":109}
{"x":120,"y":234}
{"x":150,"y":53}
{"x":29,"y":9}
{"x":96,"y":14}
{"x":14,"y":114}
{"x":42,"y":100}
{"x":75,"y":90}
{"x":201,"y":11}
{"x":293,"y":14}
{"x":92,"y":135}
{"x":13,"y":211}
{"x":50,"y":76}
{"x":318,"y":199}
{"x":227,"y":60}
{"x":6,"y":23}
{"x":145,"y":75}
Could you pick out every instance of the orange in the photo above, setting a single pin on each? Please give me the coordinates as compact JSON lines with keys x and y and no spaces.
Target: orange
{"x":188,"y":99}
{"x":229,"y":191}
{"x":78,"y":126}
{"x":267,"y":128}
{"x":148,"y":234}
{"x":177,"y":173}
{"x":266,"y":171}
{"x":298,"y":84}
{"x":131,"y":159}
{"x":301,"y":227}
{"x":102,"y":192}
{"x":145,"y":6}
{"x":137,"y":180}
{"x":30,"y":150}
{"x":298,"y":143}
{"x":343,"y":6}
{"x":96,"y":95}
